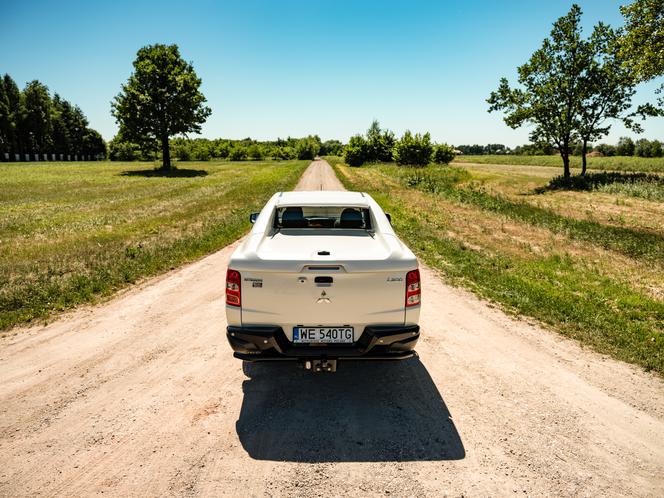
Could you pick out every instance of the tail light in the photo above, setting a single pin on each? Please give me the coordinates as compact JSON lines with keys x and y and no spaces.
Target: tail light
{"x":233,"y":288}
{"x":413,"y":288}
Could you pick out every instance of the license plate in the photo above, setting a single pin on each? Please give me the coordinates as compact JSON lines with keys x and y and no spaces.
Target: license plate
{"x":323,"y":334}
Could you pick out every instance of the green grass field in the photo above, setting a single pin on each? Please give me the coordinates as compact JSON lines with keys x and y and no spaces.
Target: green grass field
{"x":647,"y":164}
{"x":588,"y":264}
{"x":71,"y":232}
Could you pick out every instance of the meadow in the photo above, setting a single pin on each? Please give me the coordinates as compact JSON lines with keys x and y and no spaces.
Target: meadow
{"x":588,"y":263}
{"x":616,"y":163}
{"x":71,"y":233}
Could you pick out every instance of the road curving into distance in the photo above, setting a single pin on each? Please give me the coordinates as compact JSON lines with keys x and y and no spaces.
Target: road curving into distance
{"x":140,"y":396}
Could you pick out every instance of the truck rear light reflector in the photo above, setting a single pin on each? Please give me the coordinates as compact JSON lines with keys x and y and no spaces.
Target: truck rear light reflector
{"x":233,"y":288}
{"x":413,"y":288}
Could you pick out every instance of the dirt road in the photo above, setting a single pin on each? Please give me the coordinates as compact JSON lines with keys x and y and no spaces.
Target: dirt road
{"x":141,"y":397}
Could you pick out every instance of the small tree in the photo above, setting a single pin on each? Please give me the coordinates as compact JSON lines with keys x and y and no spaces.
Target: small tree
{"x":413,"y":150}
{"x":380,"y":143}
{"x":355,"y":153}
{"x":162,"y":98}
{"x":443,"y":154}
{"x":625,"y":147}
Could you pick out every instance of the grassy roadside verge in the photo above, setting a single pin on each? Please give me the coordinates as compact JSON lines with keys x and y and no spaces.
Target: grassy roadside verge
{"x":645,"y":164}
{"x":575,"y":287}
{"x":630,"y":242}
{"x":72,"y":232}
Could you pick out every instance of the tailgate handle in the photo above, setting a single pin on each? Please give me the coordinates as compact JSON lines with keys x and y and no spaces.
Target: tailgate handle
{"x":323,"y":280}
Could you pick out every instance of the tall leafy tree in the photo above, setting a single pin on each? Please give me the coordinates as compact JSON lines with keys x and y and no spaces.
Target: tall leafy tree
{"x":162,"y":98}
{"x":36,"y":125}
{"x":10,"y":122}
{"x":551,"y":88}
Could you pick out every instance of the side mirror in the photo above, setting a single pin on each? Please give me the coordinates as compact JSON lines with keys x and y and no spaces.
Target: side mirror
{"x":389,"y":217}
{"x":253,"y":217}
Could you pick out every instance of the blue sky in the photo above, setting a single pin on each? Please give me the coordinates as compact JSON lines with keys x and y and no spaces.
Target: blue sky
{"x":273,"y":69}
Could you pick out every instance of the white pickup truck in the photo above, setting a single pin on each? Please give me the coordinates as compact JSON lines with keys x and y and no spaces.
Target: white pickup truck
{"x":322,"y":277}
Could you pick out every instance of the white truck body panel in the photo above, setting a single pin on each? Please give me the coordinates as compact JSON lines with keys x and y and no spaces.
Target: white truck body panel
{"x":279,"y":266}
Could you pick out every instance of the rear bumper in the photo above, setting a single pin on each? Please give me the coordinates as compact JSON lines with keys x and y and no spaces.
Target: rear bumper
{"x":266,"y":343}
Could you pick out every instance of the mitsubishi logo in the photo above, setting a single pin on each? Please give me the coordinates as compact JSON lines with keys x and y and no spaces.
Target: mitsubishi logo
{"x":323,"y":299}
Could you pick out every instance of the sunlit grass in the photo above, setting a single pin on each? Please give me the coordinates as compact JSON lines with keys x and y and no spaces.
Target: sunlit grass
{"x":653,"y":164}
{"x":70,"y":232}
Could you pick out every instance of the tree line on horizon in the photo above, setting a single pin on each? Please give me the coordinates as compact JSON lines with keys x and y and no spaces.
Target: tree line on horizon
{"x":626,"y":146}
{"x":34,"y":124}
{"x":572,"y":88}
{"x":204,"y":149}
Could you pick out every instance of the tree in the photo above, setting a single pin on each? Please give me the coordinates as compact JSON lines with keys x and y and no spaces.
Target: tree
{"x":413,"y":150}
{"x":443,"y":154}
{"x":550,"y":90}
{"x":331,"y":148}
{"x":162,"y":98}
{"x":10,"y":115}
{"x":625,"y":147}
{"x":647,"y":148}
{"x":642,"y":45}
{"x":356,"y":152}
{"x":380,"y":143}
{"x":606,"y":149}
{"x":36,"y":124}
{"x":93,"y":144}
{"x":307,"y":148}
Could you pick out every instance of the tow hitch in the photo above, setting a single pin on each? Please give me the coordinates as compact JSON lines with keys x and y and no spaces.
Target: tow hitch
{"x":322,"y":365}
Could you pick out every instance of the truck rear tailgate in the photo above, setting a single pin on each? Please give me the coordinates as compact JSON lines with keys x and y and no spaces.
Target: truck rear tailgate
{"x":323,"y":295}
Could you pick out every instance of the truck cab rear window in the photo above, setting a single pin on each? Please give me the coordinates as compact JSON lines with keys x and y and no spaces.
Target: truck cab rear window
{"x":312,"y":217}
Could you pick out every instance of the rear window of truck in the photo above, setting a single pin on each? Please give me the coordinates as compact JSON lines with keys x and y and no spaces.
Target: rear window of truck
{"x":317,"y":217}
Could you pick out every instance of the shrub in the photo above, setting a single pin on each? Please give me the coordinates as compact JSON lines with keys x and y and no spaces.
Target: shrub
{"x":606,"y":149}
{"x":625,"y":147}
{"x":413,"y":150}
{"x":123,"y":151}
{"x":255,"y":152}
{"x":443,"y":154}
{"x":181,"y":151}
{"x":222,"y":150}
{"x":355,"y":153}
{"x":202,"y":152}
{"x":284,"y":153}
{"x":238,"y":153}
